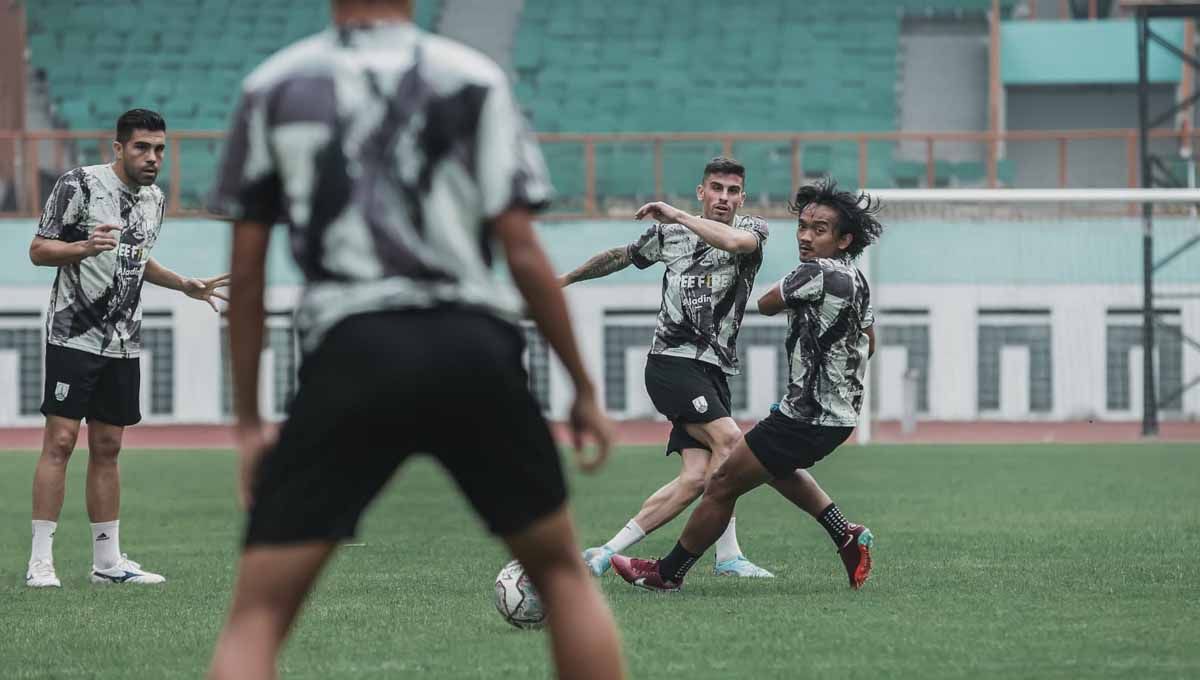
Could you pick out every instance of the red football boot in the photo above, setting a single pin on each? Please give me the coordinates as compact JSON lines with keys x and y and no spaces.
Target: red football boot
{"x":856,"y":554}
{"x":643,"y":574}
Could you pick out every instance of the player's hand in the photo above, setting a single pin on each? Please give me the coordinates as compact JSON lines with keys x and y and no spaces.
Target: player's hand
{"x":102,"y":239}
{"x":206,"y":290}
{"x":588,"y":419}
{"x":252,"y":441}
{"x":663,"y":213}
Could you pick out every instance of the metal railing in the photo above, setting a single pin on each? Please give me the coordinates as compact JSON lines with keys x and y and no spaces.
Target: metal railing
{"x":38,"y":156}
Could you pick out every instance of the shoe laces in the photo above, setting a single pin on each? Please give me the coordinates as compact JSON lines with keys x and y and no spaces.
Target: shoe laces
{"x":41,"y":568}
{"x":127,"y":564}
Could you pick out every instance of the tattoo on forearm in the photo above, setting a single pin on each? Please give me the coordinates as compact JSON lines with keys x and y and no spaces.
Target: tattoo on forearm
{"x":607,"y":262}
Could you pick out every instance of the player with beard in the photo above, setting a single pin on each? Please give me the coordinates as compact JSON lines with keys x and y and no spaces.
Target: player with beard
{"x":711,"y":260}
{"x":98,"y":228}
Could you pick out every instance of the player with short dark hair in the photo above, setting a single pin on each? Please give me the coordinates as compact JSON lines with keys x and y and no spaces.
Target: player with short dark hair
{"x":830,"y":338}
{"x":98,"y":228}
{"x":711,"y":260}
{"x":400,"y":162}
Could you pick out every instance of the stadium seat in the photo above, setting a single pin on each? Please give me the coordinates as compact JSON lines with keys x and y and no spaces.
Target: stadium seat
{"x":195,"y":61}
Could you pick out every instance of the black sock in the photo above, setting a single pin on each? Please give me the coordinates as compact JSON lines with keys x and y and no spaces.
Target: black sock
{"x":837,"y":526}
{"x":675,"y":565}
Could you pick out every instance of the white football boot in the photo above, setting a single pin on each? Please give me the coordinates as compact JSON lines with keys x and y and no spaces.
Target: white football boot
{"x":125,"y":571}
{"x":41,"y":575}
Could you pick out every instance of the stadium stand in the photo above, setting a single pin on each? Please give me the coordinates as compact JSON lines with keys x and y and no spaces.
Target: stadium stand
{"x":773,"y":65}
{"x":188,"y":68}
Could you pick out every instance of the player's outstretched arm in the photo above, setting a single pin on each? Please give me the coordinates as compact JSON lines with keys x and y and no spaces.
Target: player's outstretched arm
{"x":246,"y":315}
{"x":716,"y":234}
{"x":870,"y":331}
{"x":49,"y":252}
{"x":605,"y":263}
{"x":535,"y":279}
{"x":200,"y":289}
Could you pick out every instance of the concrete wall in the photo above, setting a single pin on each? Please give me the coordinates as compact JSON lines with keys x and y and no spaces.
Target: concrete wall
{"x":949,"y":278}
{"x":943,"y":83}
{"x":1096,"y":163}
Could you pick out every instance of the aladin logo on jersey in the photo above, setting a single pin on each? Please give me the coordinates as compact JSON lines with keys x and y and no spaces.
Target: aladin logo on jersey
{"x":700,"y":403}
{"x":60,"y":391}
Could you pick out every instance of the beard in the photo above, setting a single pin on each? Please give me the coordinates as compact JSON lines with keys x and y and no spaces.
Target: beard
{"x":135,"y":173}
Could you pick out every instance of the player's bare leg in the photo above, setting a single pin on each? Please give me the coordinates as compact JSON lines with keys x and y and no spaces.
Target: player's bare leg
{"x":740,"y":473}
{"x":50,"y":475}
{"x":583,"y":635}
{"x":103,"y":471}
{"x":49,"y":490}
{"x":272,"y":583}
{"x":676,"y":495}
{"x":661,"y":507}
{"x":109,"y":564}
{"x":853,"y":541}
{"x":803,"y":491}
{"x":722,"y":436}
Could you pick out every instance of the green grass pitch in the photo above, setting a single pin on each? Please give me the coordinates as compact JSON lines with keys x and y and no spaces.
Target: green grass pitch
{"x":996,"y":561}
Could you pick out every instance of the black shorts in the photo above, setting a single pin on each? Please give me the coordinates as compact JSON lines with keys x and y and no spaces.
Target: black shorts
{"x":784,"y":445}
{"x":82,"y":385}
{"x":687,"y":391}
{"x":381,"y":386}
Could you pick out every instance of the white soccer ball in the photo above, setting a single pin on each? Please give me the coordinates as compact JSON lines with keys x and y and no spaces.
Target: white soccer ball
{"x":516,"y":600}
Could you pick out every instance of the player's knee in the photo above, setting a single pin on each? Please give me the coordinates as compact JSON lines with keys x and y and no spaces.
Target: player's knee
{"x":104,"y":448}
{"x":691,"y":484}
{"x":59,"y":446}
{"x":724,"y":442}
{"x":720,"y":487}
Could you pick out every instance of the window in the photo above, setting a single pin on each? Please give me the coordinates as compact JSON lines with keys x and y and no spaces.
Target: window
{"x":618,"y":338}
{"x":281,"y":341}
{"x":915,"y":339}
{"x":1029,"y":328}
{"x":1123,"y":334}
{"x":160,"y":344}
{"x":25,"y":337}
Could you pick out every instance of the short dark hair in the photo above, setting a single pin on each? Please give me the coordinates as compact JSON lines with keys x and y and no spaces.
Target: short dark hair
{"x":724,"y":166}
{"x":139,"y":119}
{"x":857,"y":213}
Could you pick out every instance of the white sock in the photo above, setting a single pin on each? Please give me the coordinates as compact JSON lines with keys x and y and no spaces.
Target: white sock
{"x":43,"y":540}
{"x":629,"y":535}
{"x":727,"y":545}
{"x":106,"y":544}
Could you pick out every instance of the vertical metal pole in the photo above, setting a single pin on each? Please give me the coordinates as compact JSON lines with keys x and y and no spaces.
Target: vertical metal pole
{"x":1149,"y":395}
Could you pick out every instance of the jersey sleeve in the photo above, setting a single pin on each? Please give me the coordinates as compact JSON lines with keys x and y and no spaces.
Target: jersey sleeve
{"x":760,"y":228}
{"x":868,"y":311}
{"x":803,"y":284}
{"x":248,"y":184}
{"x":63,"y":209}
{"x":509,"y":165}
{"x":648,"y":248}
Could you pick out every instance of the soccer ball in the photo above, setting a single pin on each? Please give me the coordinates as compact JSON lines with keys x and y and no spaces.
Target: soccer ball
{"x":516,"y":600}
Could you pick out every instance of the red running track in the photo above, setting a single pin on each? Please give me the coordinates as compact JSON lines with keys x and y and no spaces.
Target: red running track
{"x":650,"y":432}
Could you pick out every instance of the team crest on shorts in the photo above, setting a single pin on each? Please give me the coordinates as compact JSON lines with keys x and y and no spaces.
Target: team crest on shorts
{"x":700,"y":403}
{"x":60,"y":391}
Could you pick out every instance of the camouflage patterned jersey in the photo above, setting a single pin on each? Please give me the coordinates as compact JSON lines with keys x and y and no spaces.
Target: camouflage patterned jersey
{"x":704,"y":291}
{"x":96,"y":303}
{"x":829,"y":307}
{"x":389,"y":152}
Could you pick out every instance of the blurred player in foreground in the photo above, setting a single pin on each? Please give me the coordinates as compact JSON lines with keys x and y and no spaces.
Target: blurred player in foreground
{"x":400,"y":161}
